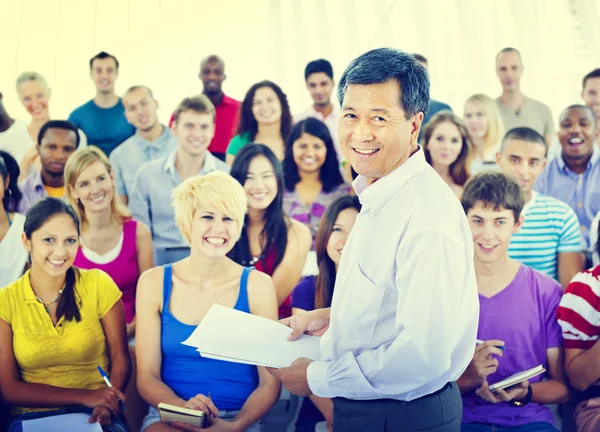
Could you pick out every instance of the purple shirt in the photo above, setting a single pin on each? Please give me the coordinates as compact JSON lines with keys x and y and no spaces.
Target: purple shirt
{"x":33,"y":191}
{"x":303,"y":296}
{"x":580,"y":191}
{"x":311,"y":214}
{"x":523,"y":315}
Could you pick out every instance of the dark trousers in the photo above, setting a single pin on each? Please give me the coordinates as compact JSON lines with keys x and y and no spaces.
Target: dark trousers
{"x":438,"y":412}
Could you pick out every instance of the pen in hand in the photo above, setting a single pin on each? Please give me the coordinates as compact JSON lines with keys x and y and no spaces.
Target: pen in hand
{"x":500,"y":347}
{"x":108,"y":383}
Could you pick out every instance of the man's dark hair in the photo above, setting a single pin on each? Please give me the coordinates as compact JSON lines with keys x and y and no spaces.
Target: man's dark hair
{"x":583,"y":107}
{"x":593,"y":74}
{"x":524,"y":134}
{"x":420,"y":58}
{"x":103,"y":55}
{"x":58,"y":124}
{"x":317,"y":66}
{"x":495,"y":190}
{"x":384,"y":64}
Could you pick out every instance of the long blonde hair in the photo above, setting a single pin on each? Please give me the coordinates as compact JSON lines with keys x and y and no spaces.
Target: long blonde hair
{"x":79,"y":161}
{"x":495,"y":131}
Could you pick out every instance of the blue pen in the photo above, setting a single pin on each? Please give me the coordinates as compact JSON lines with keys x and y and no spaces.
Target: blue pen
{"x":107,"y":381}
{"x":500,"y":347}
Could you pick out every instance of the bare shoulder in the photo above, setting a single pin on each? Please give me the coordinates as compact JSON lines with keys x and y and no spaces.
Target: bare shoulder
{"x":299,"y":231}
{"x":150,"y":284}
{"x":260,"y":283}
{"x":142,"y":231}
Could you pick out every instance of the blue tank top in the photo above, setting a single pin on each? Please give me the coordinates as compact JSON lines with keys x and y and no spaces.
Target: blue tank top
{"x":187,"y":373}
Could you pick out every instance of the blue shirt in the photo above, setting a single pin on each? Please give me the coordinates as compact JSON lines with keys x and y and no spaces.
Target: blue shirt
{"x":150,"y":201}
{"x":187,"y":373}
{"x":550,"y":227}
{"x":580,"y":191}
{"x":134,"y":152}
{"x":105,"y":128}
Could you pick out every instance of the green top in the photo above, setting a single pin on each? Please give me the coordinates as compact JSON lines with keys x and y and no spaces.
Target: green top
{"x":237,"y":142}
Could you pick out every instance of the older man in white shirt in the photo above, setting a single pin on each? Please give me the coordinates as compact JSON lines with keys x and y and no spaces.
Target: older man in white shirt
{"x":403,"y":320}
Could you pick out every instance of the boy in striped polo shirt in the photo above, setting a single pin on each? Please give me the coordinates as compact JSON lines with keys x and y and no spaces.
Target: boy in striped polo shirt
{"x":550,"y":240}
{"x":579,"y":317}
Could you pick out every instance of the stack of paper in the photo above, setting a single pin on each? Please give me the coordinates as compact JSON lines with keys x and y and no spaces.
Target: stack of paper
{"x":518,"y":378}
{"x":239,"y":337}
{"x":59,"y":423}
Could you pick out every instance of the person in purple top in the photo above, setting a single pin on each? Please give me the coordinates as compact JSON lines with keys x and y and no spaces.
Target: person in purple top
{"x":311,"y":173}
{"x":314,"y":292}
{"x":517,"y":319}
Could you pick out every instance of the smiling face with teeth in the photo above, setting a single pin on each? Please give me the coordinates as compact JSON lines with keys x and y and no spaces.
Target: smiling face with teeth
{"x":213,"y":233}
{"x":104,"y":73}
{"x":577,"y":133}
{"x":339,"y":234}
{"x":35,"y":96}
{"x":309,"y":153}
{"x":195,"y":131}
{"x":260,"y":184}
{"x":266,"y":107}
{"x":94,"y":188}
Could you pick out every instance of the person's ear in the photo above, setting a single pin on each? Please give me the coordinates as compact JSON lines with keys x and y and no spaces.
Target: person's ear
{"x":518,"y":224}
{"x":498,"y":157}
{"x":26,"y":242}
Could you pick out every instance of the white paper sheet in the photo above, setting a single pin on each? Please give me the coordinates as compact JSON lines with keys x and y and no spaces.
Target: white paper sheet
{"x":66,"y":422}
{"x":239,"y":337}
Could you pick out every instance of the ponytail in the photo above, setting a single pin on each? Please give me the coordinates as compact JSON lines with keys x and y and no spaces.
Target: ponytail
{"x":67,"y":305}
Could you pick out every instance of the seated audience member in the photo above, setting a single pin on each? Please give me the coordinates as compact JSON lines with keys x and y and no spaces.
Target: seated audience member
{"x":318,"y":75}
{"x":447,"y":146}
{"x":434,"y":105}
{"x":311,"y":173}
{"x":110,"y":239}
{"x":13,"y":256}
{"x":151,"y":141}
{"x":517,"y":312}
{"x":574,"y":176}
{"x":173,"y":299}
{"x":101,"y":118}
{"x":270,"y":241}
{"x":264,"y":118}
{"x":57,"y":325}
{"x":595,"y":239}
{"x":212,"y":74}
{"x":56,"y":142}
{"x":549,"y":240}
{"x":484,"y":124}
{"x":315,"y":292}
{"x":579,"y":317}
{"x":516,"y":109}
{"x":34,"y":94}
{"x":150,"y":200}
{"x":11,"y":133}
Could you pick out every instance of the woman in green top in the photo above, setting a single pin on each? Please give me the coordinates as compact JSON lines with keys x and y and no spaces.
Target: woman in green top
{"x":265,"y":118}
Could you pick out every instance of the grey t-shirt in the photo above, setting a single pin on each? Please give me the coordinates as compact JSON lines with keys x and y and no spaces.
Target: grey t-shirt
{"x":534,"y":114}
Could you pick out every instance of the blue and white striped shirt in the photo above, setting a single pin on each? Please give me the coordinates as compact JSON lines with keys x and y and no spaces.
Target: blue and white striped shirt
{"x":550,"y":227}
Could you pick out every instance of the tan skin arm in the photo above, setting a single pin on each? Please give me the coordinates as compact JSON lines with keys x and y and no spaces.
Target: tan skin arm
{"x":583,"y":366}
{"x":145,"y":259}
{"x":569,"y":264}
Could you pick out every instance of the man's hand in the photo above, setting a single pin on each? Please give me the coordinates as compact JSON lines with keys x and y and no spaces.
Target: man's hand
{"x":294,"y":376}
{"x":483,"y":363}
{"x":516,"y":392}
{"x":314,"y":323}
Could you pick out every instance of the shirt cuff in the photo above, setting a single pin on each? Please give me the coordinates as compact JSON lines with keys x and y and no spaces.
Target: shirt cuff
{"x":317,"y":376}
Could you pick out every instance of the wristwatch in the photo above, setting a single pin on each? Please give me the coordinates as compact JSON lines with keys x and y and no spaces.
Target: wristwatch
{"x":525,"y":400}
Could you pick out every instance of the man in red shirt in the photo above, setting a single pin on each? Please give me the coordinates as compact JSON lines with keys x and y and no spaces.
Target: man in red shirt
{"x":212,"y":74}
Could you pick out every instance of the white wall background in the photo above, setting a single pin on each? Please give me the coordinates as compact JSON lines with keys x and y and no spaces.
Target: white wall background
{"x":159,"y":43}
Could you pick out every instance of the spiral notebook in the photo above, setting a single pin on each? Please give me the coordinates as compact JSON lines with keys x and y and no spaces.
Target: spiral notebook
{"x":518,"y":378}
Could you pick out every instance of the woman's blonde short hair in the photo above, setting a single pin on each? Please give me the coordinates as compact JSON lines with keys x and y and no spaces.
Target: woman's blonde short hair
{"x":30,"y":76}
{"x":216,"y":190}
{"x":78,"y":162}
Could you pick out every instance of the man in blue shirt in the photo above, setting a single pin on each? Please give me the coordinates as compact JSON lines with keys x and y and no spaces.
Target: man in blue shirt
{"x":150,"y":200}
{"x":102,"y":118}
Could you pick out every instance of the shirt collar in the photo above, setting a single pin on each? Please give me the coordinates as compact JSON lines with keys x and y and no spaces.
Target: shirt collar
{"x":36,"y":181}
{"x":593,"y":160}
{"x":158,"y":143}
{"x":334,"y":112}
{"x":209,"y":163}
{"x":373,"y":197}
{"x":29,"y":296}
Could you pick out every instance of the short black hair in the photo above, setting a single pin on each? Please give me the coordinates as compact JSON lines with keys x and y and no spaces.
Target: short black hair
{"x":420,"y":58}
{"x":593,"y":74}
{"x":583,"y":107}
{"x":524,"y":134}
{"x":58,"y":124}
{"x":317,"y":66}
{"x":384,"y":64}
{"x":103,"y":55}
{"x":496,"y":190}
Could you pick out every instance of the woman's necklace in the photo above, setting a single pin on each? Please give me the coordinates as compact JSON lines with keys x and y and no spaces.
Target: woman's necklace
{"x":253,"y":260}
{"x":47,"y":304}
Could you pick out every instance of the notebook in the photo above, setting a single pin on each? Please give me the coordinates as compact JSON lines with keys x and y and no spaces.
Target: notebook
{"x":518,"y":378}
{"x":59,"y":423}
{"x":171,"y":413}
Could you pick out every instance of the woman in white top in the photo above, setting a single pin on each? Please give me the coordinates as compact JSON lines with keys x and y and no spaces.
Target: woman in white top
{"x":34,"y":94}
{"x":13,"y":257}
{"x":484,"y":123}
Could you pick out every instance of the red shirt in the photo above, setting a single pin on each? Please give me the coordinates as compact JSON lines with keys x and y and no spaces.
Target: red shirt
{"x":226,"y":123}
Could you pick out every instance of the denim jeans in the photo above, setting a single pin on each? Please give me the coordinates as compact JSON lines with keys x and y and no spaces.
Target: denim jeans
{"x":16,"y":422}
{"x":534,"y":427}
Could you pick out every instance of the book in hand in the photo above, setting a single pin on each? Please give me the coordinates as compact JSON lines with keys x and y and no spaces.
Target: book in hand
{"x":518,"y":378}
{"x":171,"y":413}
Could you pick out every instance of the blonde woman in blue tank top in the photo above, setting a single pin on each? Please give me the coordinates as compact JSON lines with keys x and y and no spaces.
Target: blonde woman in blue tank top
{"x":173,"y":299}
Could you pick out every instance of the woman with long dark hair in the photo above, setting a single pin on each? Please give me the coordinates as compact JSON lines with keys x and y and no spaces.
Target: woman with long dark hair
{"x":311,"y":172}
{"x":270,"y":241}
{"x":13,"y":258}
{"x":57,"y":325}
{"x":315,"y":292}
{"x":265,"y":118}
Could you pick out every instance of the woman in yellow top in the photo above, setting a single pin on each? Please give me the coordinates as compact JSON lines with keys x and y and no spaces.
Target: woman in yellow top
{"x":57,"y":325}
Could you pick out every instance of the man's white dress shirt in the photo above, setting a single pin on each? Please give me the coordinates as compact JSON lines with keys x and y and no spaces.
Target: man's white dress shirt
{"x":405,"y":307}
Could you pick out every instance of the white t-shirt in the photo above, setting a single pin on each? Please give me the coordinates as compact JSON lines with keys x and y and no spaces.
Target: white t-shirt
{"x":13,"y":255}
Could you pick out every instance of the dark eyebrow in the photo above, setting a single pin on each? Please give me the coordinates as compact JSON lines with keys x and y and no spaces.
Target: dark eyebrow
{"x":501,"y":218}
{"x":381,"y":110}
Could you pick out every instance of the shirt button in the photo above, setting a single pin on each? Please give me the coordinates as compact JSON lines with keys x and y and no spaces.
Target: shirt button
{"x":579,"y":205}
{"x":582,"y":228}
{"x":580,"y":181}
